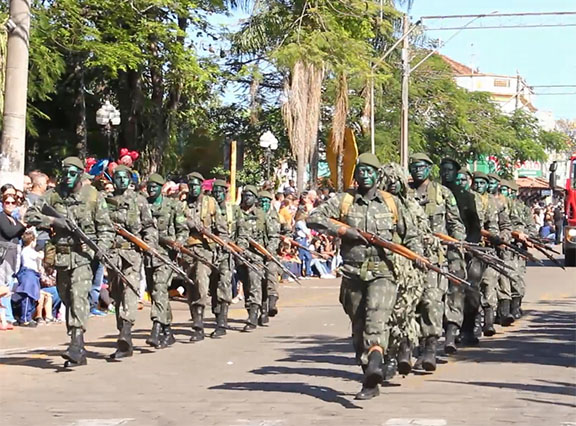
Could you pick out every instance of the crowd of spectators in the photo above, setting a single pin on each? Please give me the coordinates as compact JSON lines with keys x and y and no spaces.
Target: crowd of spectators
{"x":549,"y":220}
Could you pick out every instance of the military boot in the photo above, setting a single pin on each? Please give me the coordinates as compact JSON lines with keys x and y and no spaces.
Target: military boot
{"x":124,"y":342}
{"x":197,"y":323}
{"x":389,"y":369}
{"x":515,"y":309}
{"x":252,"y":317}
{"x":272,"y":308}
{"x":76,"y":354}
{"x":154,"y":339}
{"x":221,"y":321}
{"x":405,"y":357}
{"x":467,"y":332}
{"x":429,"y":357}
{"x":373,"y":376}
{"x":167,"y":338}
{"x":418,"y":364}
{"x":488,"y":328}
{"x":450,"y":339}
{"x":263,"y":320}
{"x":506,"y":318}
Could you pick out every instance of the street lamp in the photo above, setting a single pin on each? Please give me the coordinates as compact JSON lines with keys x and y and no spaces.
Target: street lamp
{"x":108,"y":117}
{"x":269,"y":142}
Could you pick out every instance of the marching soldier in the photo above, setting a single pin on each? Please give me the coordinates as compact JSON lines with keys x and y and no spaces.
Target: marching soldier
{"x":73,"y":260}
{"x":222,"y":282}
{"x":270,"y":296}
{"x":443,"y":214}
{"x":202,"y":212}
{"x":170,"y":221}
{"x":368,"y":289}
{"x":130,"y":210}
{"x":253,"y":224}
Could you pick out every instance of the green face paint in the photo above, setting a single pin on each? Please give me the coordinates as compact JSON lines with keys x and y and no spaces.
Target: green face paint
{"x":420,"y":170}
{"x":492,"y":186}
{"x":70,"y":176}
{"x":448,"y":172}
{"x":265,"y":203}
{"x":248,"y":199}
{"x":366,"y":176}
{"x":504,"y":190}
{"x":154,"y":190}
{"x":395,"y":188}
{"x":462,"y":181}
{"x":480,"y":185}
{"x":219,"y":193}
{"x":195,"y":187}
{"x":121,"y":180}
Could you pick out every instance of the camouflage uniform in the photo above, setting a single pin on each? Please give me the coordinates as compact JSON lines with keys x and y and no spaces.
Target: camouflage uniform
{"x":170,"y":221}
{"x":369,"y":283}
{"x":202,"y":212}
{"x":73,"y":261}
{"x":131,"y":211}
{"x":254,"y":223}
{"x":273,"y":272}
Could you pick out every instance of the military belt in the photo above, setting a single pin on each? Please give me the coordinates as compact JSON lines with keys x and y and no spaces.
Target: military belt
{"x":63,"y":249}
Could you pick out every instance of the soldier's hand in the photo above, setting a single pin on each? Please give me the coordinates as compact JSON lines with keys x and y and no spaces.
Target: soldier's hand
{"x":60,"y":224}
{"x":420,"y":264}
{"x":193,"y":224}
{"x":353,"y":234}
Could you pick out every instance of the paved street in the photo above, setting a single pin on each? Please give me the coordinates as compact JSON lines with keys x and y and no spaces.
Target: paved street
{"x":299,"y":371}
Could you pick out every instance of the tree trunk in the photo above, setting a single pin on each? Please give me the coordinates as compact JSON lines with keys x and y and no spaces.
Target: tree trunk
{"x":80,"y":110}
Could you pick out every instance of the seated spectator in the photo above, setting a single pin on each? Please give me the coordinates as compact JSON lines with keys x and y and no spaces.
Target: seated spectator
{"x":27,"y":291}
{"x":547,"y":231}
{"x":4,"y":324}
{"x":290,"y":260}
{"x":48,"y":287}
{"x":321,"y":258}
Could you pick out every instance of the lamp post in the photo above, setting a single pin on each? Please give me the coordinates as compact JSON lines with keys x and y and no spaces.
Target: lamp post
{"x":108,"y":117}
{"x":269,"y":142}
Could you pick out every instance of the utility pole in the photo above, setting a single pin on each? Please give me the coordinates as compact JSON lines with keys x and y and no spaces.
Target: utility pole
{"x":517,"y":90}
{"x":405,"y":79}
{"x":15,"y":95}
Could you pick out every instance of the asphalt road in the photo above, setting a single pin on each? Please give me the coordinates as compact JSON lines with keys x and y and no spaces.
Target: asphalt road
{"x":298,"y":371}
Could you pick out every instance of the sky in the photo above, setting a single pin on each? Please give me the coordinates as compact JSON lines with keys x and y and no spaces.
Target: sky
{"x":542,"y":56}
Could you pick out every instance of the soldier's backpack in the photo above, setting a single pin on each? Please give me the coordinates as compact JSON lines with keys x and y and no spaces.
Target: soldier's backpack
{"x":348,"y":199}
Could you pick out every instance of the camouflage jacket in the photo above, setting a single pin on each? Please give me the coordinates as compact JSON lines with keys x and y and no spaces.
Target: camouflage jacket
{"x":441,"y":207}
{"x":169,"y":218}
{"x":205,"y":212}
{"x":132,"y":211}
{"x":256,"y":224}
{"x":502,"y":216}
{"x":468,"y":213}
{"x":88,"y":210}
{"x":230,"y":213}
{"x":370,"y":213}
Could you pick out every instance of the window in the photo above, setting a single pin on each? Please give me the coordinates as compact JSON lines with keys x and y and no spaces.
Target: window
{"x":501,"y":82}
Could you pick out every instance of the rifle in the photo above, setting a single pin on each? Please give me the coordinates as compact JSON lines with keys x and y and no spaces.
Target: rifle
{"x":497,"y":241}
{"x":262,"y":250}
{"x":85,"y":239}
{"x":404,"y":252}
{"x":473,"y":250}
{"x":540,"y":247}
{"x":147,"y":248}
{"x":181,"y":249}
{"x":539,"y":241}
{"x":300,"y":246}
{"x":228,"y":247}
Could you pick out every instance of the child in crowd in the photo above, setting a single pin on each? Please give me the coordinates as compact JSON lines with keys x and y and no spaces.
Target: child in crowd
{"x":27,"y":291}
{"x":4,"y":325}
{"x":49,"y":303}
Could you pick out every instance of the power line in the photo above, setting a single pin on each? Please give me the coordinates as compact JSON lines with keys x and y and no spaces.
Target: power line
{"x":556,"y":94}
{"x":500,"y":27}
{"x":553,"y":85}
{"x":497,"y":15}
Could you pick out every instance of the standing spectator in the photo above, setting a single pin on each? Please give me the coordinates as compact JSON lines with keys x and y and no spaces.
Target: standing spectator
{"x":558,"y":223}
{"x":538,"y":217}
{"x":39,"y":187}
{"x":10,"y":232}
{"x":303,"y":237}
{"x":27,"y":292}
{"x":27,"y":184}
{"x":278,"y":199}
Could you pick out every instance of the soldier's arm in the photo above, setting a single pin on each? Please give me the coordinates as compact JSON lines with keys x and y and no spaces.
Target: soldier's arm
{"x":104,"y":227}
{"x":273,"y":231}
{"x":34,"y":216}
{"x":180,"y":227}
{"x":219,"y":221}
{"x":147,"y":229}
{"x":454,"y":224}
{"x":319,"y":218}
{"x":504,"y":223}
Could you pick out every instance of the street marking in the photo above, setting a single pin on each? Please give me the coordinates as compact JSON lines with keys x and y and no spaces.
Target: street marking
{"x":246,"y":422}
{"x":416,"y":422}
{"x":100,"y":422}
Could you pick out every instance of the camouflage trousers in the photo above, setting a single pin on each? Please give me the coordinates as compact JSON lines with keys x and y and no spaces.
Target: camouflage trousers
{"x":404,"y":322}
{"x":455,"y":298}
{"x":126,"y":298}
{"x":221,"y":282}
{"x":489,"y":288}
{"x":158,"y":280}
{"x":369,"y":305}
{"x":272,"y":279}
{"x":200,"y":273}
{"x":253,"y":285}
{"x":73,"y":287}
{"x":504,"y":290}
{"x":518,"y":288}
{"x":431,"y":306}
